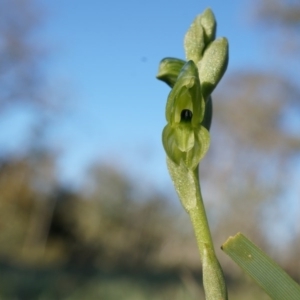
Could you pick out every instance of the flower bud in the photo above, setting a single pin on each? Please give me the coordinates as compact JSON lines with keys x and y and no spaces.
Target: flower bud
{"x":209,"y":25}
{"x":194,"y":41}
{"x":201,"y":32}
{"x":213,"y":65}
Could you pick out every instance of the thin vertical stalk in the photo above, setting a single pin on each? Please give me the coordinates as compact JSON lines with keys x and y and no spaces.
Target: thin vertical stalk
{"x":213,"y":278}
{"x":187,"y":185}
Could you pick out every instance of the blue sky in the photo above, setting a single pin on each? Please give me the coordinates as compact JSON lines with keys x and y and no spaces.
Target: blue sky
{"x":104,"y":58}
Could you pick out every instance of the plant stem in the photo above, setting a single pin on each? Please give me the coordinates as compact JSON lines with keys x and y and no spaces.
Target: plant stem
{"x":187,"y":185}
{"x":200,"y":222}
{"x":213,"y":278}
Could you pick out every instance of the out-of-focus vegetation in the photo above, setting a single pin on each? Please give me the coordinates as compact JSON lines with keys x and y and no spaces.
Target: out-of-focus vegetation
{"x":109,"y":241}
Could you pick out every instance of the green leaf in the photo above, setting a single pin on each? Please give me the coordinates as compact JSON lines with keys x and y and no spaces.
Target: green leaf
{"x":185,"y":183}
{"x":169,"y":69}
{"x":213,"y":65}
{"x":273,"y":279}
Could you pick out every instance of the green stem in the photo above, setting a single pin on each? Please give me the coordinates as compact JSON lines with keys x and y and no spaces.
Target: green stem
{"x":187,"y":185}
{"x":213,"y":278}
{"x":200,"y":222}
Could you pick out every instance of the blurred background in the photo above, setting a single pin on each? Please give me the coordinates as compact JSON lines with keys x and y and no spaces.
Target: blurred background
{"x":87,"y":209}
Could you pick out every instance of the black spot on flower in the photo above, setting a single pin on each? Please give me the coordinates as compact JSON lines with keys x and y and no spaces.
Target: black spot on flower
{"x":186,"y":115}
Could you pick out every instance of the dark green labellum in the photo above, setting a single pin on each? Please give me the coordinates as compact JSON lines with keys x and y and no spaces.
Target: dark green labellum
{"x":186,"y":115}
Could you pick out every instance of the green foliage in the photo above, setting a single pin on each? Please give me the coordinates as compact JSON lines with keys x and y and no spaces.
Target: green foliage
{"x":273,"y":279}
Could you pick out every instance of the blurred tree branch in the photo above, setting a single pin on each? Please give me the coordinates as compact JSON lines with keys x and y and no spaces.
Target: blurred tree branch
{"x":21,"y":54}
{"x":278,"y":12}
{"x":284,"y":17}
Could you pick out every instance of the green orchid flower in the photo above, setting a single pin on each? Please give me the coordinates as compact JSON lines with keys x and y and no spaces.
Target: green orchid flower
{"x":209,"y":54}
{"x":184,"y":138}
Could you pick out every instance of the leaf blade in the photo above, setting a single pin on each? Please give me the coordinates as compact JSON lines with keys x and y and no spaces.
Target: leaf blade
{"x":267,"y":273}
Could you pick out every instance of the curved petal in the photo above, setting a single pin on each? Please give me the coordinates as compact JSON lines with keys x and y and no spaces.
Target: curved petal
{"x":184,"y":137}
{"x":169,"y":69}
{"x":202,"y":141}
{"x":170,"y":146}
{"x":186,"y":94}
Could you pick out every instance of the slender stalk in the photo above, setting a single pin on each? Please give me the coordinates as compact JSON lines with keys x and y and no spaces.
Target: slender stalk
{"x":200,"y":222}
{"x":213,"y":278}
{"x":187,"y":185}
